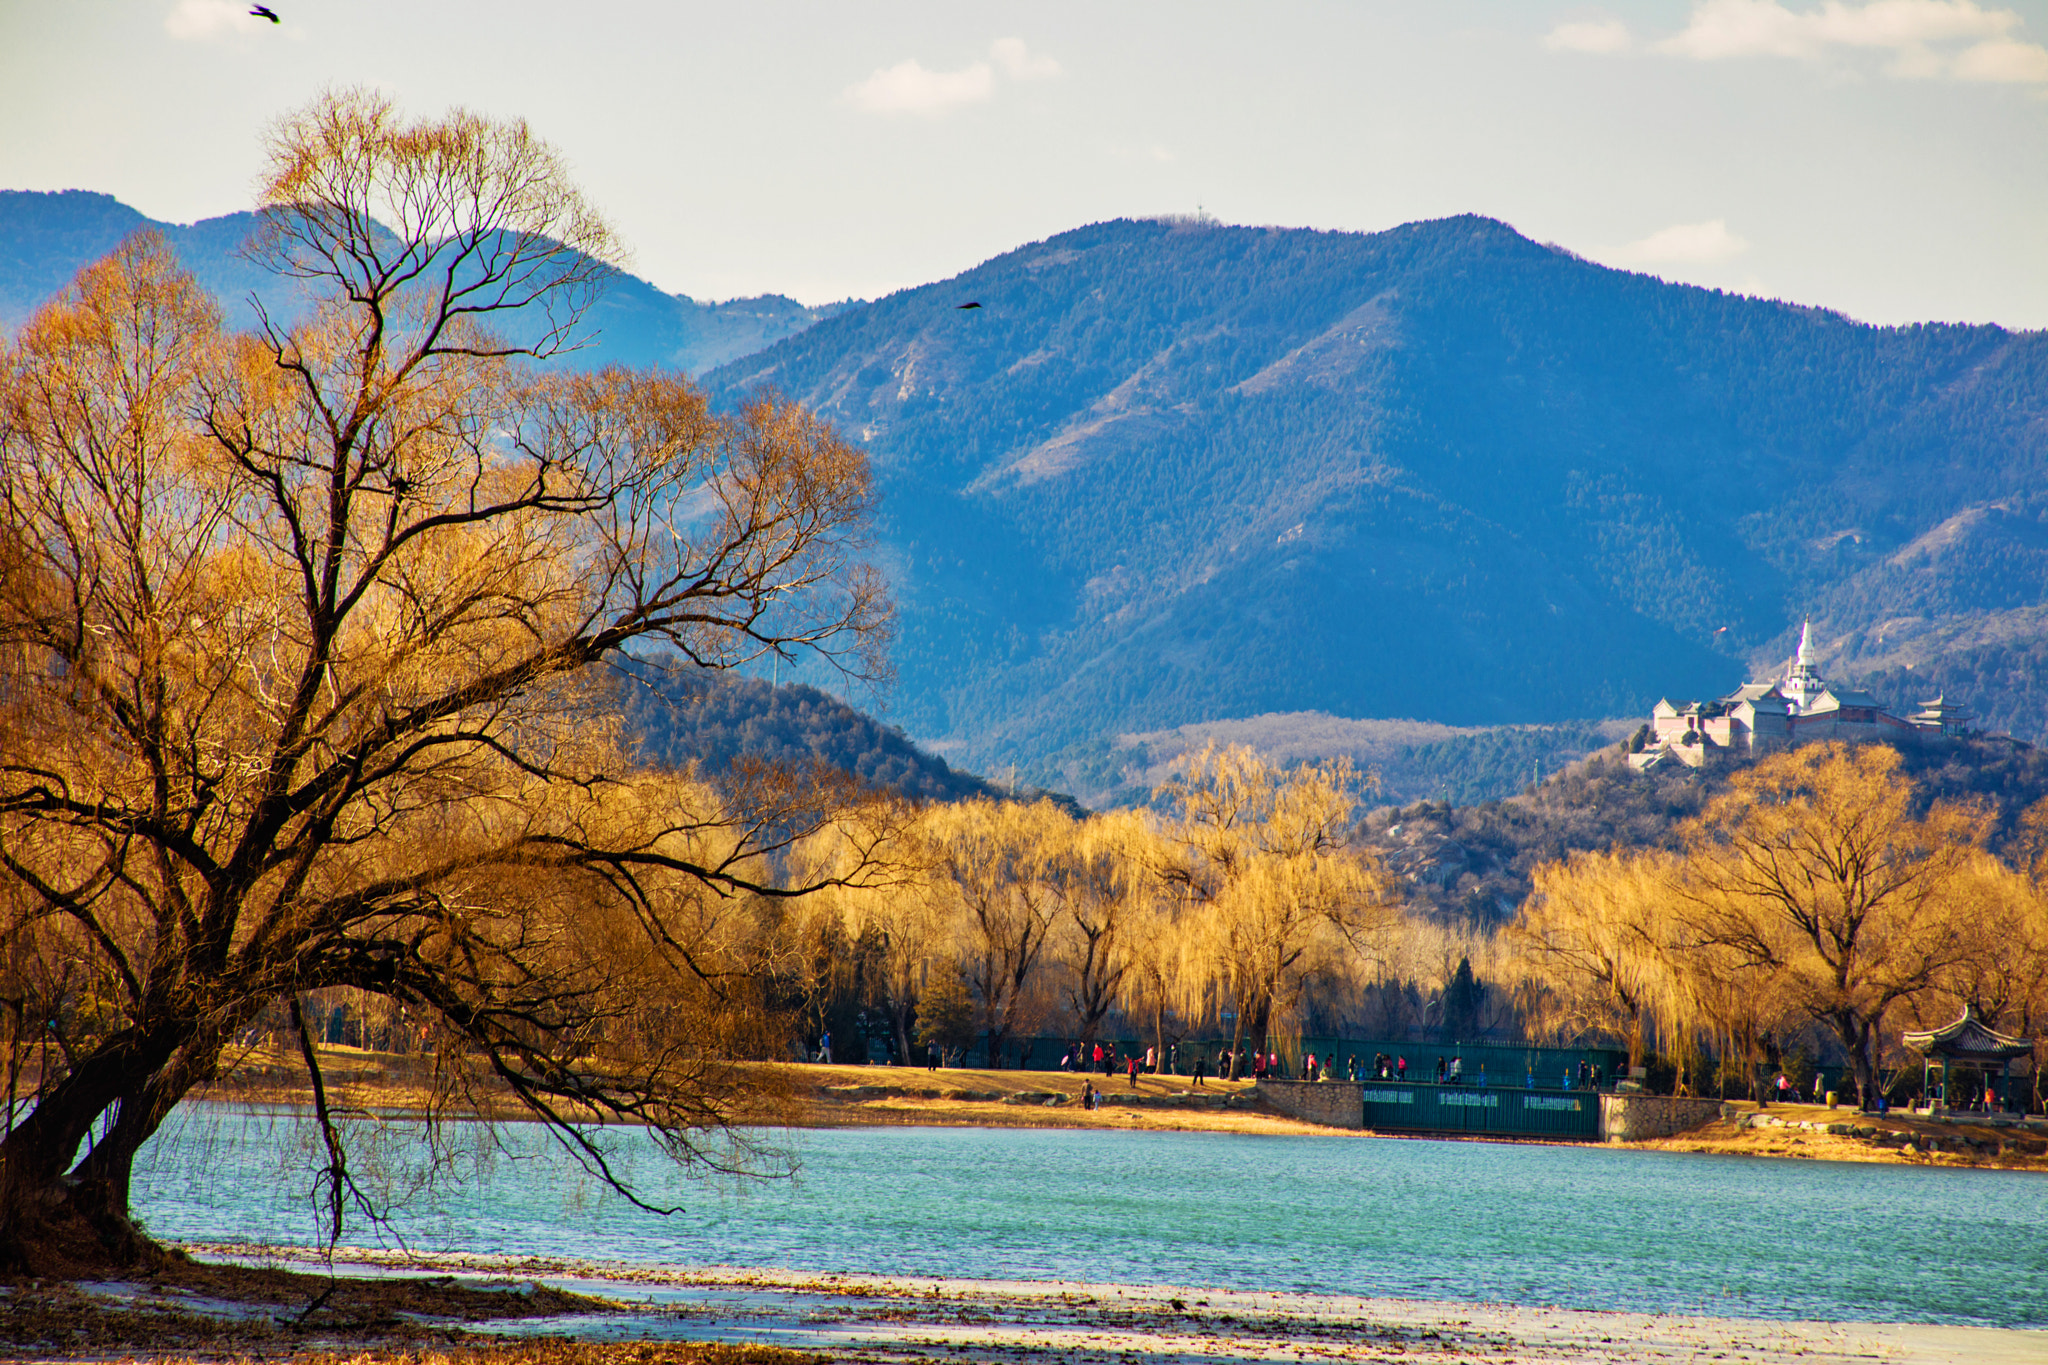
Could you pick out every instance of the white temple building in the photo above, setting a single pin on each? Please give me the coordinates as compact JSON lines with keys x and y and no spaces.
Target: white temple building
{"x":1794,"y":709}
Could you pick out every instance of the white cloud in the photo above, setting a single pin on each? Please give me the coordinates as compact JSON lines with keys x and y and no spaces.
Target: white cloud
{"x":1019,"y":64}
{"x":2003,"y":59}
{"x":1919,"y":36}
{"x":201,"y":19}
{"x":1684,"y":244}
{"x":1598,"y":36}
{"x":909,"y":88}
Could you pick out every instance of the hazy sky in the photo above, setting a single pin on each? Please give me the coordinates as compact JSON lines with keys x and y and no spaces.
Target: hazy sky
{"x":1889,"y":159}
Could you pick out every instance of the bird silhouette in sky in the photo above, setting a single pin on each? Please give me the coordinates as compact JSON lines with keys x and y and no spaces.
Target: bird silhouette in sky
{"x":967,"y":305}
{"x":264,"y":12}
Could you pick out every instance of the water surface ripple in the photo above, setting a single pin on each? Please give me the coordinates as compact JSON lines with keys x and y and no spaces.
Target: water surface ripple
{"x":1576,"y":1227}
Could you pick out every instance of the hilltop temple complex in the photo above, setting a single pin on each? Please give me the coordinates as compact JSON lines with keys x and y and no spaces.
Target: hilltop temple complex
{"x":1794,"y":709}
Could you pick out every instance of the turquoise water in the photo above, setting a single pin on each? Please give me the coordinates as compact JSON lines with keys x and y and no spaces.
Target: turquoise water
{"x":1578,"y":1227}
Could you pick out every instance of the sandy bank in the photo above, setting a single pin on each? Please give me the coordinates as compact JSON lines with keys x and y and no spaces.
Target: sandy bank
{"x":887,"y":1319}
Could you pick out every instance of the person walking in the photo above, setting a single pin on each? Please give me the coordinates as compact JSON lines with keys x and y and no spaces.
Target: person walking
{"x":825,"y":1049}
{"x":1201,"y":1066}
{"x":1131,"y":1067}
{"x":1402,"y":1067}
{"x":1439,"y":1070}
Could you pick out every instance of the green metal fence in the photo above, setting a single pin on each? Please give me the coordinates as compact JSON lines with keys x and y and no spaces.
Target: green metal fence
{"x":1428,"y":1108}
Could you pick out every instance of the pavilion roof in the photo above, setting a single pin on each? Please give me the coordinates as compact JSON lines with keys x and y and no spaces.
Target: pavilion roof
{"x":1968,"y":1038}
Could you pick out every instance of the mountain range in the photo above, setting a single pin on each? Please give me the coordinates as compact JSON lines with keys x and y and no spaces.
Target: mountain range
{"x":1174,"y":472}
{"x":1173,"y":475}
{"x":46,"y":236}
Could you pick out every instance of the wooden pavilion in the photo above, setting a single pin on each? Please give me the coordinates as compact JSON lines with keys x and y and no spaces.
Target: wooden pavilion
{"x":1968,"y":1044}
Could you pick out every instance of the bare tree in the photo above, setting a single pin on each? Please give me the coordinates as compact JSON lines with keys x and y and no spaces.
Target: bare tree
{"x":1824,"y":889}
{"x":303,"y":636}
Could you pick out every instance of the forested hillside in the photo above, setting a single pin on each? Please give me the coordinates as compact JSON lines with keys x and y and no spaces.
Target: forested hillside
{"x":1396,"y":761}
{"x":45,"y":238}
{"x":1171,"y":472}
{"x":674,"y":718}
{"x":1471,"y":864}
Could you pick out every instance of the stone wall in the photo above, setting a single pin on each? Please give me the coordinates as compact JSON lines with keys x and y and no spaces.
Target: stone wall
{"x":1634,"y":1118}
{"x":1336,"y":1104}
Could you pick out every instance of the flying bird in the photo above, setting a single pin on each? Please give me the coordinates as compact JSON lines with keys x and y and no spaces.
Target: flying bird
{"x":264,"y":12}
{"x":967,"y":305}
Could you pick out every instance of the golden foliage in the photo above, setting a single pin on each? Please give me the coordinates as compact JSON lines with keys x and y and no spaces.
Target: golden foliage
{"x":1815,"y":890}
{"x":302,"y":654}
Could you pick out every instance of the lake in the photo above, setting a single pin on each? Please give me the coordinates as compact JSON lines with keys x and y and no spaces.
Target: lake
{"x":1576,"y":1227}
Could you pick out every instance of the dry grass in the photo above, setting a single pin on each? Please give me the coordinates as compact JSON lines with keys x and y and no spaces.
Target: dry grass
{"x":185,"y":1307}
{"x":835,"y":1096}
{"x":1932,"y":1144}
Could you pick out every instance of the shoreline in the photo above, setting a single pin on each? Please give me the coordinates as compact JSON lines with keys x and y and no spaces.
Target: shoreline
{"x":836,"y":1096}
{"x":899,"y":1319}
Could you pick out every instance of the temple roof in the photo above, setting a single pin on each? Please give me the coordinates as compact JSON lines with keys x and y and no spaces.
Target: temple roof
{"x":1837,"y":698}
{"x":1851,"y":696}
{"x":1968,"y":1037}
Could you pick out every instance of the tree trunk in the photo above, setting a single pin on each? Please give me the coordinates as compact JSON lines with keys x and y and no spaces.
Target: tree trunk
{"x":138,"y":1079}
{"x":1858,"y":1036}
{"x":39,"y":1195}
{"x":900,"y":1010}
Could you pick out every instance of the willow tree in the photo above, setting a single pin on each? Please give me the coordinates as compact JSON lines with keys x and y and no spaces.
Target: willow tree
{"x":1109,"y":891}
{"x":901,"y":914}
{"x":1817,"y":880}
{"x":997,"y":876}
{"x":1606,"y":951}
{"x":2002,"y":917}
{"x":304,"y":635}
{"x":1277,"y":894}
{"x":1594,"y":936}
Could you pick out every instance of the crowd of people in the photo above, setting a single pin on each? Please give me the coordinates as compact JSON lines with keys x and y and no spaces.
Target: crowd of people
{"x":1108,"y":1059}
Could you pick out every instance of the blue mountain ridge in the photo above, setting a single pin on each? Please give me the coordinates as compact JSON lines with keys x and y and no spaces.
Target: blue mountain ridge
{"x":1172,"y":472}
{"x":45,"y":237}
